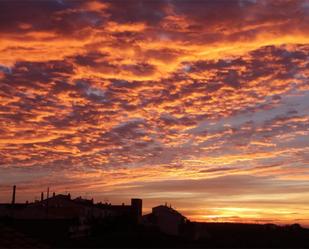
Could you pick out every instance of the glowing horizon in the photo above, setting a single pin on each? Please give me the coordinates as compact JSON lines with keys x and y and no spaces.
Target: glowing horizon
{"x":202,"y":104}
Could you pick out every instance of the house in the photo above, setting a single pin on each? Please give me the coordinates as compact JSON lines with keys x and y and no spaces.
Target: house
{"x":167,"y":219}
{"x":131,"y":212}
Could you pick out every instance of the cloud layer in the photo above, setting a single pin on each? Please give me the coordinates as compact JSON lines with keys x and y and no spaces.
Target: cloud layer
{"x":164,"y":99}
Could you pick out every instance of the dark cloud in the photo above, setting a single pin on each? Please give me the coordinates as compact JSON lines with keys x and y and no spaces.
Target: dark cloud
{"x":92,"y":59}
{"x":31,"y":13}
{"x":34,"y":73}
{"x":151,"y":12}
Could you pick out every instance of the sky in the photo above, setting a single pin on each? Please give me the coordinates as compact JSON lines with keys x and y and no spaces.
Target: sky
{"x":200,"y":104}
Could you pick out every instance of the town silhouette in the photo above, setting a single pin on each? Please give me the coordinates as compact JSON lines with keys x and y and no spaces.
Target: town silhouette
{"x":63,"y":221}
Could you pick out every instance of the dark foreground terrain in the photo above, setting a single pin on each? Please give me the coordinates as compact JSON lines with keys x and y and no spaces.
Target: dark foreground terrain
{"x":117,"y":234}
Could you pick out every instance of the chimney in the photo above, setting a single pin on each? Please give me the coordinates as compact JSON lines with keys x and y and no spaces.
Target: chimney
{"x":47,"y":192}
{"x":42,"y":196}
{"x":14,"y":195}
{"x":54,"y":194}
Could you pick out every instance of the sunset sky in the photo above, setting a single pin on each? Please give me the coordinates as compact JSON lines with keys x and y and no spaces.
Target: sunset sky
{"x":201,"y":104}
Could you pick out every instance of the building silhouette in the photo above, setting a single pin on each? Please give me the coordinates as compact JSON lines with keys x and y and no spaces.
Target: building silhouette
{"x":78,"y":213}
{"x":167,"y":219}
{"x":61,"y":220}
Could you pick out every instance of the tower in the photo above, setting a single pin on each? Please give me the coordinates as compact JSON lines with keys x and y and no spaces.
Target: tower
{"x":137,"y":207}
